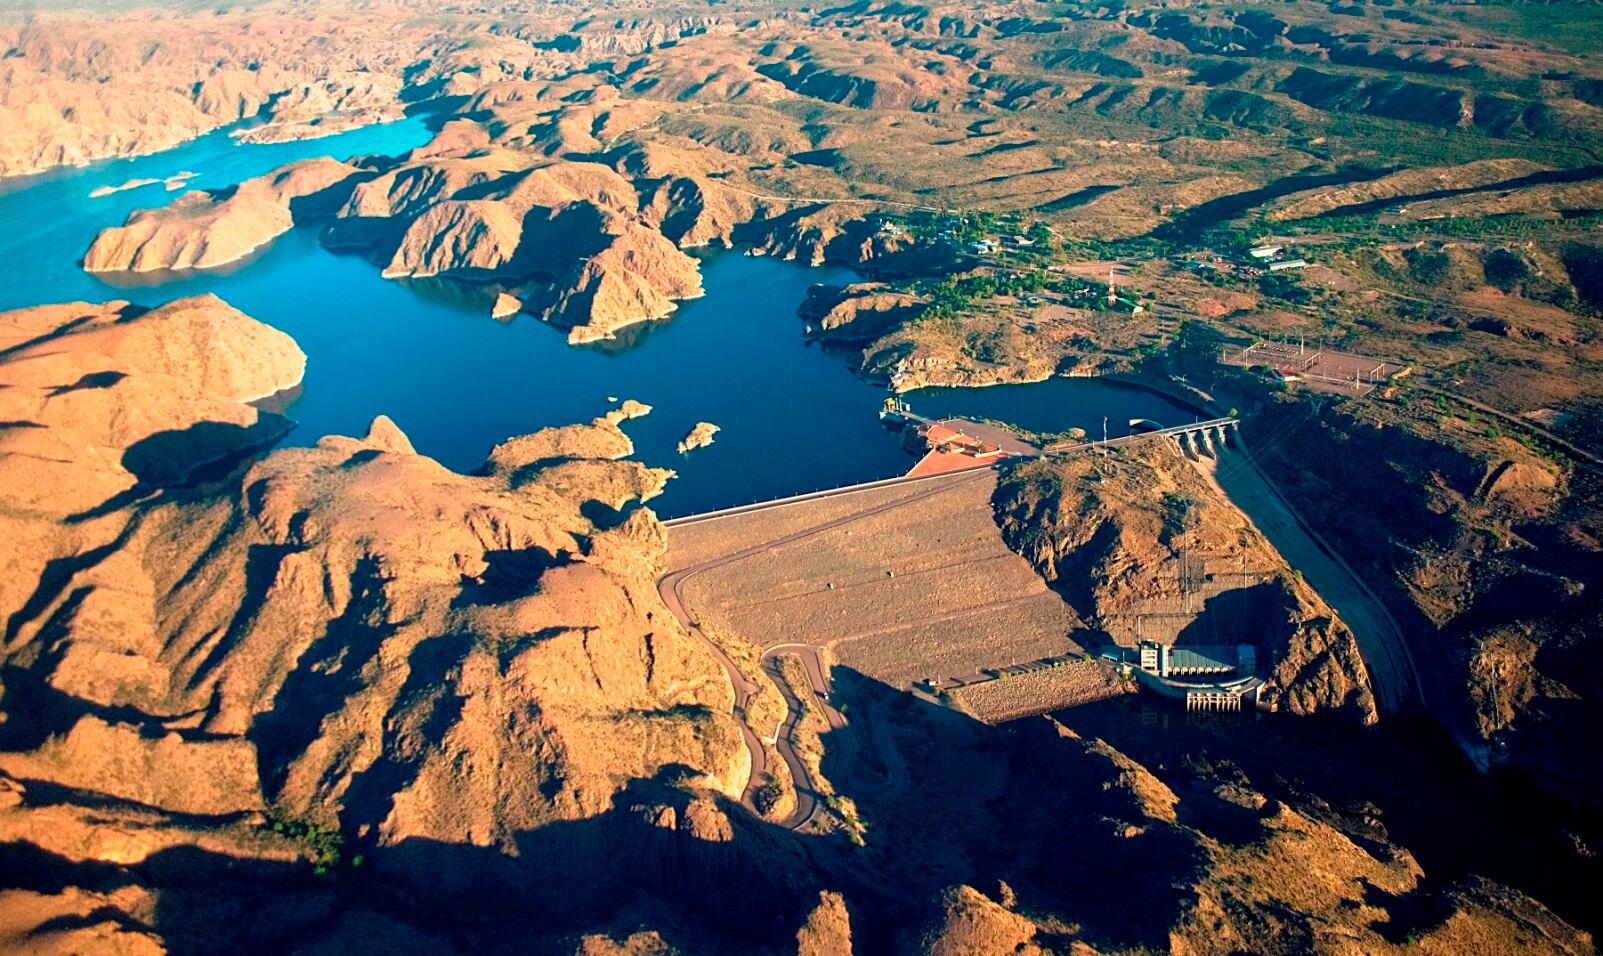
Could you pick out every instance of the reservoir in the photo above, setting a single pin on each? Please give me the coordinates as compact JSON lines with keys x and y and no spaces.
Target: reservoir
{"x":793,"y":416}
{"x":1055,"y":405}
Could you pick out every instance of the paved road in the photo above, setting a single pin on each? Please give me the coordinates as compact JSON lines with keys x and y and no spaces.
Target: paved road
{"x":668,"y":588}
{"x":671,"y":585}
{"x":818,"y":683}
{"x":1380,"y":640}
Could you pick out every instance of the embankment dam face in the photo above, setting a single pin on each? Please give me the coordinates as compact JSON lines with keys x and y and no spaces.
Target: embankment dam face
{"x":903,"y":583}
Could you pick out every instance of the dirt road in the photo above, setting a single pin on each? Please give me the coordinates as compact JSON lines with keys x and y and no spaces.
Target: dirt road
{"x":671,"y":585}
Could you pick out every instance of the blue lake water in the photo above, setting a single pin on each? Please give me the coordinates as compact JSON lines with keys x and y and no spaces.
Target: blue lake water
{"x":793,"y":416}
{"x":1055,"y":405}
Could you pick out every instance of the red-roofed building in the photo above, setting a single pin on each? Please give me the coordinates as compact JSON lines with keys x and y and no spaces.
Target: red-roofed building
{"x":944,"y":438}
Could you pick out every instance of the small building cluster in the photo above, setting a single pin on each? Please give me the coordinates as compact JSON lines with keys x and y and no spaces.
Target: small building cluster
{"x":952,"y":443}
{"x":943,"y":438}
{"x":989,"y":246}
{"x":1274,"y":259}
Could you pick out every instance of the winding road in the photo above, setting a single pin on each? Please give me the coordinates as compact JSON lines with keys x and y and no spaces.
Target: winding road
{"x":1381,"y":642}
{"x":785,"y":737}
{"x":670,"y":586}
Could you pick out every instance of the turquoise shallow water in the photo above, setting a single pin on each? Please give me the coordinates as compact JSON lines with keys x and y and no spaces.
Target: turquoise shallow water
{"x":793,"y":416}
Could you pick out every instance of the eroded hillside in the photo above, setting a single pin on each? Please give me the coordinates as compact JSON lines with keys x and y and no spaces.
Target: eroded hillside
{"x":338,"y":695}
{"x":347,"y":636}
{"x":341,"y":697}
{"x":1143,"y":547}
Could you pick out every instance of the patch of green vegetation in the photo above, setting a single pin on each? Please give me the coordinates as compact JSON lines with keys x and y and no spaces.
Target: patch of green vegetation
{"x":956,"y":294}
{"x":855,"y":828}
{"x":1505,"y":269}
{"x":1181,"y":513}
{"x":1584,"y":263}
{"x":325,"y":845}
{"x":1284,"y":288}
{"x":766,"y":797}
{"x":1518,"y":227}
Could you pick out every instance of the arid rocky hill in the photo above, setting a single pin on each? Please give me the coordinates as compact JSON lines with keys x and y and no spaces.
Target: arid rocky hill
{"x":175,"y":76}
{"x":1232,"y":866}
{"x":199,"y":230}
{"x":340,"y":696}
{"x":1492,"y":551}
{"x":856,"y":313}
{"x":1142,"y":546}
{"x":347,"y":636}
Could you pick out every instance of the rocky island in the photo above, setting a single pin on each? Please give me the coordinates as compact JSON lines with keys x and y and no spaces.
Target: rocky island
{"x":700,"y":436}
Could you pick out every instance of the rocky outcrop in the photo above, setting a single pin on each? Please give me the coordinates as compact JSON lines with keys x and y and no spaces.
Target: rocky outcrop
{"x":516,"y":183}
{"x":828,"y":930}
{"x":1258,"y":863}
{"x":573,"y":229}
{"x":505,"y":307}
{"x":185,"y":776}
{"x":688,"y":193}
{"x":971,"y":923}
{"x":406,"y":191}
{"x":468,"y":238}
{"x":1148,"y":547}
{"x":638,"y":275}
{"x":860,"y":312}
{"x":1438,"y":527}
{"x":348,"y":633}
{"x":815,"y":234}
{"x":102,"y":398}
{"x":699,"y":437}
{"x":201,"y":230}
{"x":76,"y":89}
{"x":332,"y":104}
